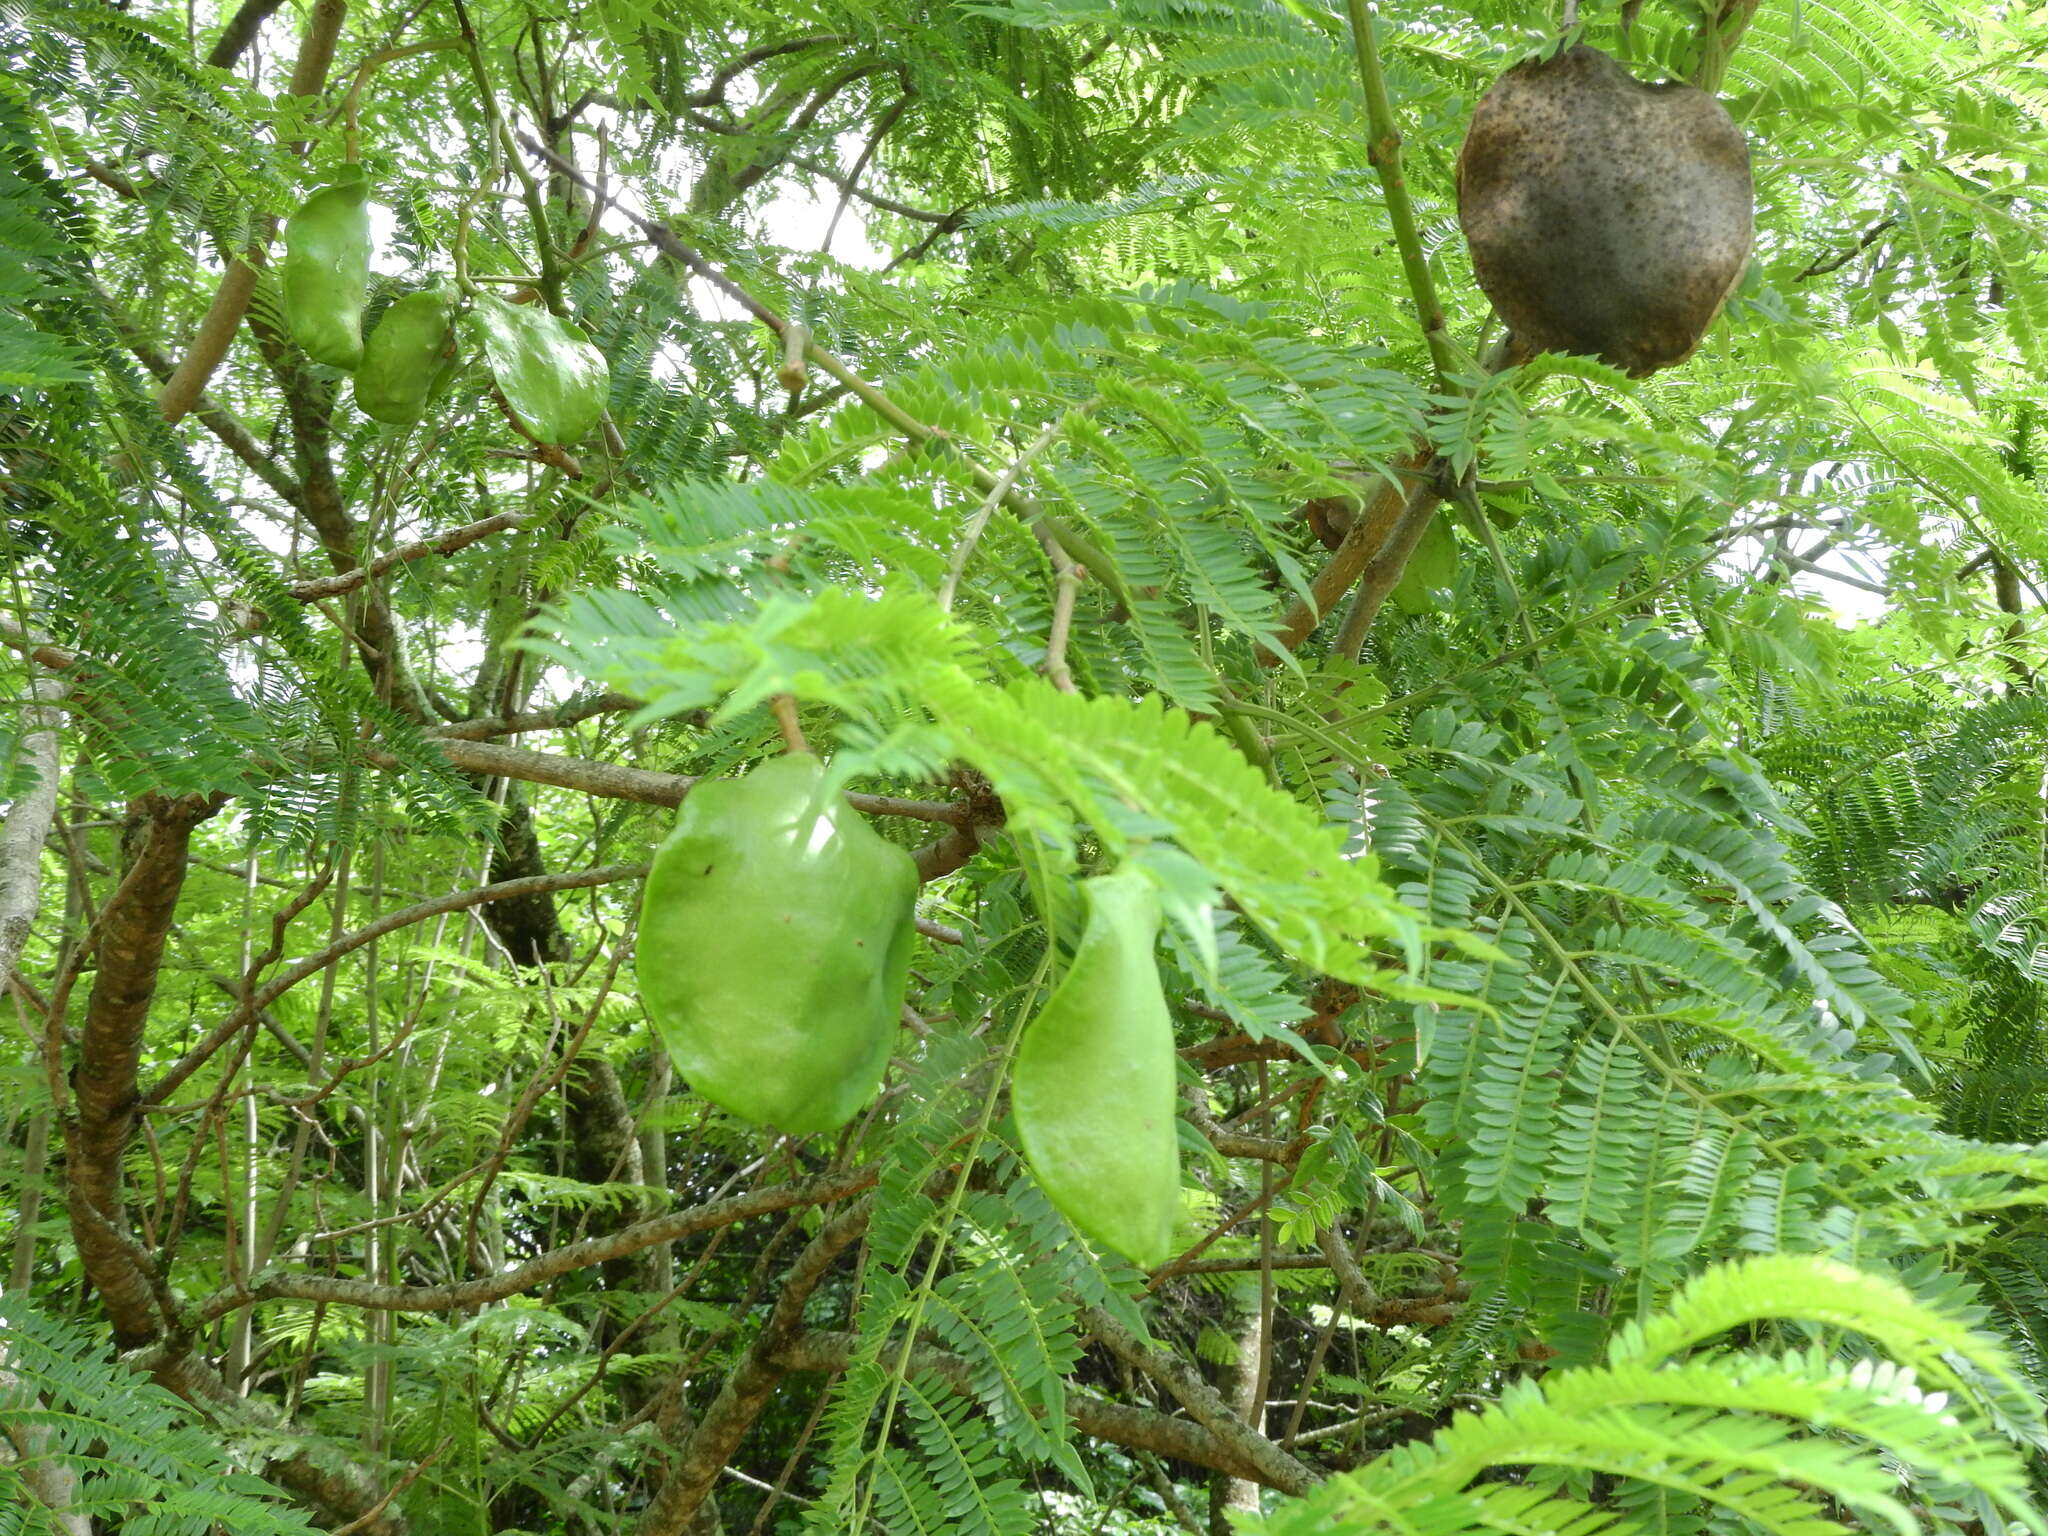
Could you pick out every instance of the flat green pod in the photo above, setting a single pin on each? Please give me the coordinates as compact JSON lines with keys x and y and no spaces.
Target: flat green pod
{"x":326,"y":271}
{"x":774,"y":948}
{"x":408,"y":356}
{"x":1092,"y":1090}
{"x":554,"y":380}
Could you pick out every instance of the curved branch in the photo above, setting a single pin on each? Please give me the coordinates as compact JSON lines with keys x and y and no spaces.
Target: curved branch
{"x":753,"y":1381}
{"x":572,"y":712}
{"x":1142,"y":1429}
{"x":1269,"y":1464}
{"x":441,"y":544}
{"x":648,"y":786}
{"x":348,"y":943}
{"x":825,"y":1189}
{"x":714,"y":94}
{"x":238,"y":284}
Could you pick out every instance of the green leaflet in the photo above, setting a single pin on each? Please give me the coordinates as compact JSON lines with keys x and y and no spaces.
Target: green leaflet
{"x":554,"y":380}
{"x":774,"y":947}
{"x":326,"y":271}
{"x":1093,"y":1087}
{"x":407,"y":357}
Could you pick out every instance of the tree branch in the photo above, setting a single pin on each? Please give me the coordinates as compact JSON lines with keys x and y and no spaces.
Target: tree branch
{"x":1265,"y":1461}
{"x":1383,"y":571}
{"x":441,"y":544}
{"x":824,"y":1189}
{"x":1078,"y":547}
{"x":1384,"y":152}
{"x":104,"y":1081}
{"x":28,"y":823}
{"x":570,"y":713}
{"x":752,"y":1382}
{"x":317,"y":1473}
{"x":714,"y":94}
{"x":1350,"y":557}
{"x":241,"y":31}
{"x":947,"y":222}
{"x":348,"y":943}
{"x":616,"y":781}
{"x":232,"y":435}
{"x":238,"y":284}
{"x":28,"y":1453}
{"x":1143,"y":1429}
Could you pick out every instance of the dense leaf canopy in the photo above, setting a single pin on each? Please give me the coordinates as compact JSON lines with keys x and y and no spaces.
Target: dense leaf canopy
{"x":1599,"y":822}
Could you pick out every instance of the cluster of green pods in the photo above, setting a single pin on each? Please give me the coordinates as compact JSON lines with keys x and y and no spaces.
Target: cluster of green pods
{"x":553,"y":381}
{"x":773,"y":960}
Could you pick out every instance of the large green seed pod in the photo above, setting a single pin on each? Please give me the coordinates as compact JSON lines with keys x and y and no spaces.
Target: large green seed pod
{"x":774,"y":947}
{"x":1093,"y":1086}
{"x":554,"y":380}
{"x":326,"y":273}
{"x":1606,"y":215}
{"x":408,"y":356}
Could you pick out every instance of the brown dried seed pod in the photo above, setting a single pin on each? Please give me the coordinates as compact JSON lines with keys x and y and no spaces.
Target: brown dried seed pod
{"x":1606,"y":215}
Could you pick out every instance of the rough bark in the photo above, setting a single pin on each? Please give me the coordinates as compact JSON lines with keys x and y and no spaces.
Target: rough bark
{"x":322,"y":1477}
{"x":528,"y":926}
{"x":309,"y":407}
{"x":241,"y":31}
{"x":105,"y":1091}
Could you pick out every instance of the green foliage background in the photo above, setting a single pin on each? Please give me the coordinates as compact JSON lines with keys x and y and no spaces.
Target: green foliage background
{"x":1611,"y":1003}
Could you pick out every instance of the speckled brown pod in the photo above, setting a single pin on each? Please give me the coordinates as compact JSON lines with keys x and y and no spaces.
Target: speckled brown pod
{"x":1606,"y":215}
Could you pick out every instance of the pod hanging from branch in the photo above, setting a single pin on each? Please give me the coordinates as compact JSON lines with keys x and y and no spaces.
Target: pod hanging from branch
{"x":1606,"y":215}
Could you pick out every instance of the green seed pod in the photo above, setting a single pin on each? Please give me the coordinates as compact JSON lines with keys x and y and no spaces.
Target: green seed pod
{"x":774,"y":947}
{"x":408,"y":356}
{"x":1093,"y":1087}
{"x":326,"y":271}
{"x":554,"y":380}
{"x":1433,"y":565}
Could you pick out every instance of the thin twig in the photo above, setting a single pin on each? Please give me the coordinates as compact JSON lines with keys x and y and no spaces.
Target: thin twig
{"x":1066,"y":588}
{"x":441,"y":544}
{"x":887,"y":121}
{"x":997,"y":492}
{"x":369,"y":1516}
